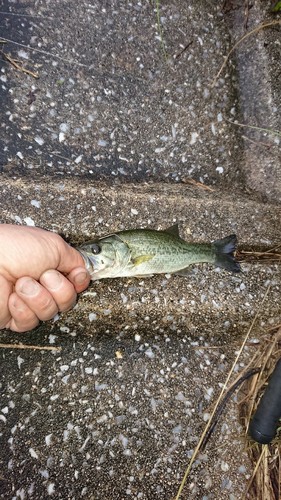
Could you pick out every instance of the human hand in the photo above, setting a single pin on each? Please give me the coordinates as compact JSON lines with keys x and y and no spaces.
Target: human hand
{"x":40,"y":275}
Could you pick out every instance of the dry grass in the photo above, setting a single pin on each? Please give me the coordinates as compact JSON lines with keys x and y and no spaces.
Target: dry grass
{"x":221,"y":397}
{"x":32,"y":347}
{"x":269,"y":256}
{"x":265,"y":482}
{"x":15,"y":63}
{"x":244,"y":37}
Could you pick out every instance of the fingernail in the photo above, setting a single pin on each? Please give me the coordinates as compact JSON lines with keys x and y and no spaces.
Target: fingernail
{"x":80,"y":278}
{"x":29,"y":287}
{"x":52,"y":279}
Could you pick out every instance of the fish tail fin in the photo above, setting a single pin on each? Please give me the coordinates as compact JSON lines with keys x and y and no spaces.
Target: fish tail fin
{"x":224,"y":250}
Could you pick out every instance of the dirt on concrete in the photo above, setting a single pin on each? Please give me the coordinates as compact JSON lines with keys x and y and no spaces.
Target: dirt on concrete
{"x":109,"y":138}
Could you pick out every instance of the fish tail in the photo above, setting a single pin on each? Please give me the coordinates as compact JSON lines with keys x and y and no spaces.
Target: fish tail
{"x":224,"y":253}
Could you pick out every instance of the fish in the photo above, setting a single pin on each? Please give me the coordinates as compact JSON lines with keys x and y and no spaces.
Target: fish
{"x":145,"y":252}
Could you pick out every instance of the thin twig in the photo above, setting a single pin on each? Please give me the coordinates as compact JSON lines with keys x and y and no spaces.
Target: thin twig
{"x":257,"y":143}
{"x":209,"y":423}
{"x":246,"y":13}
{"x":45,"y":52}
{"x":267,"y":257}
{"x":26,"y":346}
{"x":17,"y":66}
{"x":255,"y":30}
{"x":274,"y":327}
{"x":254,"y":472}
{"x":223,"y":403}
{"x":178,"y":55}
{"x":187,"y":180}
{"x":25,"y":15}
{"x":160,"y":28}
{"x":254,"y":127}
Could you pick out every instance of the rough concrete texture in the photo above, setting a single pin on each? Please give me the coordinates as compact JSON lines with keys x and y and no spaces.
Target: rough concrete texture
{"x":107,"y":138}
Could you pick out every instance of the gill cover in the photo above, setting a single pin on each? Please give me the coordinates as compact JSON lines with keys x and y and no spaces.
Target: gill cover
{"x":114,"y":254}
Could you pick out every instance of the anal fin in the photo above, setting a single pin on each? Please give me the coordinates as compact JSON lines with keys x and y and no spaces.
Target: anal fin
{"x":186,"y":271}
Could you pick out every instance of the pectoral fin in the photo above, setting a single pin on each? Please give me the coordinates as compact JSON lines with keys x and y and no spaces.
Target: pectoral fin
{"x":141,"y":259}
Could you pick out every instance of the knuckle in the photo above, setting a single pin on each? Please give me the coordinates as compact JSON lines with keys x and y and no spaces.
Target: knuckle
{"x":46,"y":303}
{"x":20,"y":327}
{"x":65,"y":306}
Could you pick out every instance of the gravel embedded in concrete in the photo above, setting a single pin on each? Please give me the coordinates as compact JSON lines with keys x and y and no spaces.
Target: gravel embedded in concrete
{"x":107,"y":138}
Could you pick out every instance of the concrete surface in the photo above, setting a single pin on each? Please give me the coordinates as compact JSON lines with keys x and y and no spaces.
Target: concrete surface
{"x":107,"y":138}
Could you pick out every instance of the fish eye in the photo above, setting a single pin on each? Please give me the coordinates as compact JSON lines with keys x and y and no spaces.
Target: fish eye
{"x":95,"y":248}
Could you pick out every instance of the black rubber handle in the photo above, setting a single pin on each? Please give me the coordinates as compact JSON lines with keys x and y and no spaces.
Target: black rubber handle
{"x":265,"y":421}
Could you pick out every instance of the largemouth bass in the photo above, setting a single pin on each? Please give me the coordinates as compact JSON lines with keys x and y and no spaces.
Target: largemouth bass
{"x":142,"y":252}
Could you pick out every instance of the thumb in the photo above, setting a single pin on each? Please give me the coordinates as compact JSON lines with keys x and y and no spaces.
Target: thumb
{"x":69,"y":258}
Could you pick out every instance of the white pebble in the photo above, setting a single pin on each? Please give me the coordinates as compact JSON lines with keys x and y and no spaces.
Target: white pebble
{"x":29,"y":221}
{"x":20,"y":361}
{"x":35,"y":203}
{"x":123,"y":440}
{"x":219,"y":170}
{"x":149,"y":353}
{"x":180,"y":397}
{"x":92,"y":317}
{"x":64,"y":127}
{"x":48,"y":439}
{"x":224,"y":466}
{"x":52,"y":338}
{"x":124,"y":298}
{"x":33,"y":453}
{"x":23,"y":54}
{"x":134,"y":211}
{"x":194,"y":137}
{"x":39,"y":140}
{"x":78,"y":159}
{"x":50,"y":488}
{"x":64,"y":329}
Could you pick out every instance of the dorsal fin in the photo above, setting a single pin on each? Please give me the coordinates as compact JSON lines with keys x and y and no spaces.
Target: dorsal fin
{"x":174,"y":230}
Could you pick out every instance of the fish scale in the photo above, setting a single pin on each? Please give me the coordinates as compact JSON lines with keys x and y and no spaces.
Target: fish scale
{"x":136,"y":252}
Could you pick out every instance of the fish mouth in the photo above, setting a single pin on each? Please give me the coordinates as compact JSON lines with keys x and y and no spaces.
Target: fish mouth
{"x":88,"y":261}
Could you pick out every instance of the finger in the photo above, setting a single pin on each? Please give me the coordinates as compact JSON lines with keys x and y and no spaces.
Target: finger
{"x":23,"y":318}
{"x":36,"y":297}
{"x":69,"y":257}
{"x":80,"y":279}
{"x":6,"y":289}
{"x":60,"y":288}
